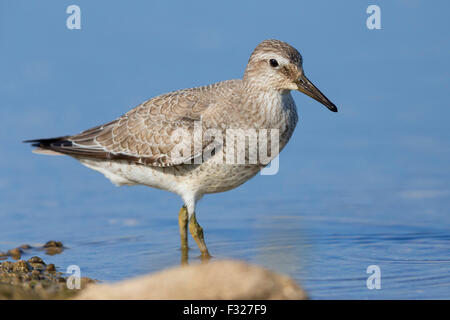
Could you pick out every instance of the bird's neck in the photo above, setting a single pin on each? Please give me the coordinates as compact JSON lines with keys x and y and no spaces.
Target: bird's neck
{"x":264,"y":96}
{"x":259,"y":85}
{"x":275,"y":107}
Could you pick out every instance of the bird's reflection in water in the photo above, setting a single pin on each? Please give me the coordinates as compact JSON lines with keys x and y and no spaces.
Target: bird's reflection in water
{"x":282,"y":244}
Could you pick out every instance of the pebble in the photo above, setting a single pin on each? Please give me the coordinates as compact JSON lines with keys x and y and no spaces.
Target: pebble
{"x":53,"y":247}
{"x":35,"y":274}
{"x":37,"y":266}
{"x":36,"y":259}
{"x":7,"y":266}
{"x":33,"y":279}
{"x":53,"y":243}
{"x":21,"y":266}
{"x":15,"y":253}
{"x":51,"y":268}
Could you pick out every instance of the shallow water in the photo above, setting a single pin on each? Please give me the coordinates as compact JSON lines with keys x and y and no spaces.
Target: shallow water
{"x":326,"y":248}
{"x":369,"y":185}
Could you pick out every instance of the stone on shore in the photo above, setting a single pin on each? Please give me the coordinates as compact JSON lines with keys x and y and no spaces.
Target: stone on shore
{"x":221,"y":279}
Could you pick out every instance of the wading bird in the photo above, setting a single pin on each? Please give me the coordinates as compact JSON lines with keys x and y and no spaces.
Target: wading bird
{"x":138,"y":147}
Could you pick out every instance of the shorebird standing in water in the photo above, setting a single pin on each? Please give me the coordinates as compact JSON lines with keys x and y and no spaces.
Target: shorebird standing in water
{"x":138,"y":148}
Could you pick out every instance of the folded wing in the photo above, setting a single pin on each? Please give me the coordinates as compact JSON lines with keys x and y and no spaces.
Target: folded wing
{"x":159,"y":132}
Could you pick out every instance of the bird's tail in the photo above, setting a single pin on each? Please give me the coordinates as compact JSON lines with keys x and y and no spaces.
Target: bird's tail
{"x":49,"y":146}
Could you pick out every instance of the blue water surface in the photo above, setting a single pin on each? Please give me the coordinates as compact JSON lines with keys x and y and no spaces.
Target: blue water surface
{"x":369,"y":185}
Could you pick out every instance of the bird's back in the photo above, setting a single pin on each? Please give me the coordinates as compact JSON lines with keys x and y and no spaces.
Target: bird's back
{"x":145,"y":134}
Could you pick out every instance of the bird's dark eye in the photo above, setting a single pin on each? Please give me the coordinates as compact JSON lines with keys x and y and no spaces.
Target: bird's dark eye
{"x":273,"y":63}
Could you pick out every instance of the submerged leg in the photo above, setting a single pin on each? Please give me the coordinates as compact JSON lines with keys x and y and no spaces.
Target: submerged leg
{"x":197,"y":233}
{"x":183,"y":222}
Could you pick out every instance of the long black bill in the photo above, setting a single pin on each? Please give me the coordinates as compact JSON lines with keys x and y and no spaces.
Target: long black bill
{"x":306,"y":86}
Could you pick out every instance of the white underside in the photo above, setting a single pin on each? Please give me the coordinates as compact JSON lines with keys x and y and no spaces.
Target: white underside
{"x":191,"y":182}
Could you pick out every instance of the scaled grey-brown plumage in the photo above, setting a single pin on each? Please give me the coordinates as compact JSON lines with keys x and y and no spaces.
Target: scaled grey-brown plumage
{"x":138,"y":147}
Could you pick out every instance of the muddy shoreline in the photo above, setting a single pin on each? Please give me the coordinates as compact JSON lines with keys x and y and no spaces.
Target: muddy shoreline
{"x":27,"y":276}
{"x":24,"y":275}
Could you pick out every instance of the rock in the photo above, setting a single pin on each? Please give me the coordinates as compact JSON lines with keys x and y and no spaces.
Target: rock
{"x":221,"y":279}
{"x":37,"y":263}
{"x":53,"y":247}
{"x":38,"y":266}
{"x":53,"y":243}
{"x":36,"y":259}
{"x":15,"y":253}
{"x":50,"y":268}
{"x":35,"y":274}
{"x":34,"y":279}
{"x":6,"y":266}
{"x":25,"y":247}
{"x":21,"y":266}
{"x":61,"y":280}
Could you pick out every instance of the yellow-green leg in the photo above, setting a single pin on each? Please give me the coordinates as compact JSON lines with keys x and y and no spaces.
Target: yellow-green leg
{"x":197,"y":233}
{"x":183,"y":222}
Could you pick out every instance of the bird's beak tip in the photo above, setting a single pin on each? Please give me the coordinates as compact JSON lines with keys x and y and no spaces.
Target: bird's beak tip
{"x":305,"y":86}
{"x":333,"y":108}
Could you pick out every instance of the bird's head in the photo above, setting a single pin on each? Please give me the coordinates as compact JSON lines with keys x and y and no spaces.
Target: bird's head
{"x":274,"y":64}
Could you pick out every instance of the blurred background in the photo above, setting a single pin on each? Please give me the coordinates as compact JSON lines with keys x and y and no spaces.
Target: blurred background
{"x":369,"y":185}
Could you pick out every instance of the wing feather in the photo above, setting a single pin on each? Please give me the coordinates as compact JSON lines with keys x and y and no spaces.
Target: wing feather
{"x":158,"y":132}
